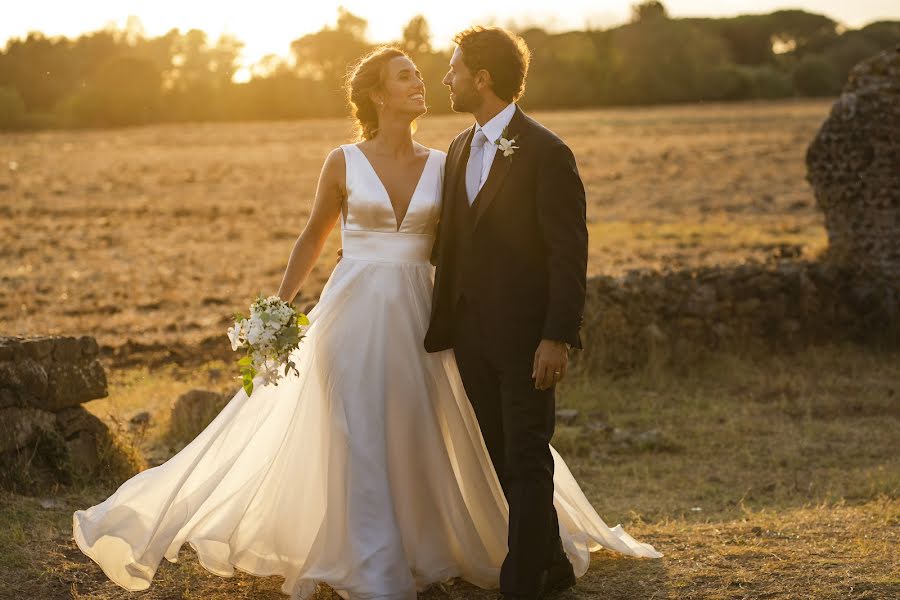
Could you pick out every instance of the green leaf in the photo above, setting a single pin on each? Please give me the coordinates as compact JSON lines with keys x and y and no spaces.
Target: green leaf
{"x":288,"y":336}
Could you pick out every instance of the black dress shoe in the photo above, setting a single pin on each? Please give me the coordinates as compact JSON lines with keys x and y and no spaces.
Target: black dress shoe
{"x":560,"y":576}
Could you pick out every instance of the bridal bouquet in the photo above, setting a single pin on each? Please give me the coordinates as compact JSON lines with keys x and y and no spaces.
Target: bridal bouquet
{"x":269,"y":335}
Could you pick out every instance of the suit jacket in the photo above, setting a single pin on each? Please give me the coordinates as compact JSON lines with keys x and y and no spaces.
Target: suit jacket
{"x":519,"y":253}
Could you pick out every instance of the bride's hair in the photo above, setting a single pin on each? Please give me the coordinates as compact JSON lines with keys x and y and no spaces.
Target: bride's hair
{"x":365,"y":76}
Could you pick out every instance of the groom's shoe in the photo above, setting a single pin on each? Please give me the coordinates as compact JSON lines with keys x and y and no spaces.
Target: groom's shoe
{"x":560,"y":577}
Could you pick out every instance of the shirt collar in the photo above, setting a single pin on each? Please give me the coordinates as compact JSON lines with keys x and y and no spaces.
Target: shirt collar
{"x":494,"y":128}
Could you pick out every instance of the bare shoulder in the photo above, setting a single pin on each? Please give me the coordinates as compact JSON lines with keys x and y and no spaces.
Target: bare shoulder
{"x":335,"y":156}
{"x":335,"y":160}
{"x":335,"y":168}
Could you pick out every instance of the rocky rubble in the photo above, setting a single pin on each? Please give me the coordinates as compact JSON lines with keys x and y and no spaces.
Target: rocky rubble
{"x":678,"y":317}
{"x":853,"y":165}
{"x":46,"y":436}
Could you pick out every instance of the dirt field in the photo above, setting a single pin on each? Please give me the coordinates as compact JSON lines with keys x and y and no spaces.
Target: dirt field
{"x":772,"y":477}
{"x":775,"y":478}
{"x":149,"y":238}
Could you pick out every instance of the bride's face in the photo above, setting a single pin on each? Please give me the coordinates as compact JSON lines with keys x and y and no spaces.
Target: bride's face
{"x":403,"y":90}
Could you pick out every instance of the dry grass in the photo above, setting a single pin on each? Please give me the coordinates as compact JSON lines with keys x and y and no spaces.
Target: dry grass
{"x":774,"y":478}
{"x":157,"y":234}
{"x":758,"y":478}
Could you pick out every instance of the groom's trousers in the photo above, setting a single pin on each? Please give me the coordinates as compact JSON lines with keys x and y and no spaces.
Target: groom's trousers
{"x":517,"y":423}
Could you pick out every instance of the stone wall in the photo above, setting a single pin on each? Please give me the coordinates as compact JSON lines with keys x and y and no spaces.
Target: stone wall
{"x":675,"y":318}
{"x":853,"y":165}
{"x":46,"y":436}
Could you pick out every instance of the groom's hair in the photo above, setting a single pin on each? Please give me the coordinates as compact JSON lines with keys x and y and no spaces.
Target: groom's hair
{"x":501,"y":53}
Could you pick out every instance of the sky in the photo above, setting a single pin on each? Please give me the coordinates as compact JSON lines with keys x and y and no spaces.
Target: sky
{"x":269,"y":26}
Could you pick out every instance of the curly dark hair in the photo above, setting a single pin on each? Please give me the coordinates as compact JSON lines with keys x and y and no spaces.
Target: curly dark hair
{"x":367,"y":75}
{"x":501,"y":53}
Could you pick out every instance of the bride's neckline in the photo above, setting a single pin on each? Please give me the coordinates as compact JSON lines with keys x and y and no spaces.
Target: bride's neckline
{"x":397,"y":220}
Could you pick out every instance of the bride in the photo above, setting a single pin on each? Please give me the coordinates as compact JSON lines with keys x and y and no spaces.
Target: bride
{"x":367,"y":471}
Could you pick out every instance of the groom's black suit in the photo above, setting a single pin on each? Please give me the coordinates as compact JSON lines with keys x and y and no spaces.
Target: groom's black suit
{"x":511,"y":271}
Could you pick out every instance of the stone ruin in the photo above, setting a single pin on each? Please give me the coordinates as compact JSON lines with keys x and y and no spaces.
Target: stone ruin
{"x":676,"y":318}
{"x":46,"y":436}
{"x":853,"y":166}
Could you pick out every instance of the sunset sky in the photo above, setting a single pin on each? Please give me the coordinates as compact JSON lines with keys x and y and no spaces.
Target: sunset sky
{"x":268,"y":26}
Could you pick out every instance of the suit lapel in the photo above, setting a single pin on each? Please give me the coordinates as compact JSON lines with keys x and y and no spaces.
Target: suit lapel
{"x":499,"y":169}
{"x":458,"y":163}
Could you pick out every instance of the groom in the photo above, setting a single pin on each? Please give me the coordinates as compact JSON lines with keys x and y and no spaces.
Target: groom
{"x":511,"y":258}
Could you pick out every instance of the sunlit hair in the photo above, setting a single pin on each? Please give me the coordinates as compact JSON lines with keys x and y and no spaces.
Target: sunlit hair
{"x":501,"y":53}
{"x":366,"y":76}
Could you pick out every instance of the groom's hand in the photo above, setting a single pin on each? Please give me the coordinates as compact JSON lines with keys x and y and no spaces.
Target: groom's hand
{"x":551,"y":360}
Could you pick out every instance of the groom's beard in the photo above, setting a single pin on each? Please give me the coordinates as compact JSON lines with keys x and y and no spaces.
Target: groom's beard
{"x":465,"y":102}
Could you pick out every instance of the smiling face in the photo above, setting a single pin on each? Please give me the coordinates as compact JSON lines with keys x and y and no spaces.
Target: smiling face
{"x":402,"y":89}
{"x":464,"y":95}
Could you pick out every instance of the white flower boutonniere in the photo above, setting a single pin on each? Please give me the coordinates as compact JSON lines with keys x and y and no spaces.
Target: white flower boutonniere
{"x":507,"y":146}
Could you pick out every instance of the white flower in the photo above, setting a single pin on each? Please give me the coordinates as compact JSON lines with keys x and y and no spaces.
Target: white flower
{"x":507,"y":146}
{"x":269,"y":374}
{"x":260,"y":335}
{"x":234,"y":334}
{"x":255,"y":332}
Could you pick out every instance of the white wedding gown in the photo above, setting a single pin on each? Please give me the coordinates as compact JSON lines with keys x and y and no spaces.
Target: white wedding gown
{"x":367,"y":471}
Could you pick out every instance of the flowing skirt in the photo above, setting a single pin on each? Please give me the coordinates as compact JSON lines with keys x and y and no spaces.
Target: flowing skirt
{"x":367,"y":471}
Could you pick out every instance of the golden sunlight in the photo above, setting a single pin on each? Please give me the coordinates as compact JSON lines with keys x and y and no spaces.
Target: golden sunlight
{"x":267,"y":27}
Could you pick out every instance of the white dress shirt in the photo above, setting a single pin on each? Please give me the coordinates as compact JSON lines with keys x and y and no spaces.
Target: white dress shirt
{"x":492,"y":130}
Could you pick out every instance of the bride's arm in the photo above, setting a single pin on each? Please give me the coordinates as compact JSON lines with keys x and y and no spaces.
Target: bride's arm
{"x":326,"y":209}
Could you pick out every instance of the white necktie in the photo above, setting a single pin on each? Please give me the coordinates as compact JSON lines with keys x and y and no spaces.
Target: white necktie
{"x":475,"y":165}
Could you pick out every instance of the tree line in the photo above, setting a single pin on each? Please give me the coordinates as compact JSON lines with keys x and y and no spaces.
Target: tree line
{"x":117,"y":77}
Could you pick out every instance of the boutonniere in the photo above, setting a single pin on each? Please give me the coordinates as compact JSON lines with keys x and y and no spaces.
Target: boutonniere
{"x":506,"y":145}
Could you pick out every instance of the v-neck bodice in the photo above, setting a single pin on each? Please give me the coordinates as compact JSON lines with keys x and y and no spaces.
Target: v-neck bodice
{"x":369,"y":207}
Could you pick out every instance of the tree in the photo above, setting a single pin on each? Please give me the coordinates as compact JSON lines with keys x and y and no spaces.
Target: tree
{"x":40,"y":68}
{"x":126,"y":90}
{"x":417,"y":36}
{"x":567,"y":70}
{"x":663,"y":60}
{"x":648,"y":11}
{"x":883,"y":33}
{"x":326,"y":54}
{"x":749,"y":38}
{"x":12,"y":109}
{"x":848,"y":50}
{"x":814,"y":76}
{"x":800,"y":31}
{"x":223,"y":59}
{"x":351,"y":24}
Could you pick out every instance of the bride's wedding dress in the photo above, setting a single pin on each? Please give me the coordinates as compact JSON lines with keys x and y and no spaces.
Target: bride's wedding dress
{"x":367,"y":471}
